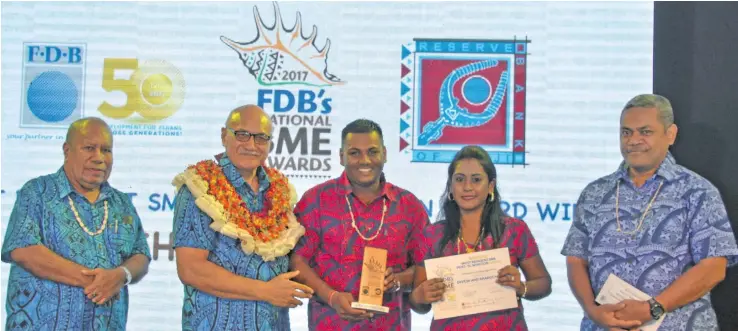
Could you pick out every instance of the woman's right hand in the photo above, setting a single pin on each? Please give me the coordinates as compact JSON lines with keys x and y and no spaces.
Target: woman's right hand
{"x":429,"y":291}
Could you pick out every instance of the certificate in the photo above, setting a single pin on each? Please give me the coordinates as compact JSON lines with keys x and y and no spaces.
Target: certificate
{"x":616,"y":290}
{"x":471,"y":283}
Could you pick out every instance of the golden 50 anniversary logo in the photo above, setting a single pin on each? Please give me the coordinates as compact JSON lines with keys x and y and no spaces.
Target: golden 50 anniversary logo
{"x":153,"y":92}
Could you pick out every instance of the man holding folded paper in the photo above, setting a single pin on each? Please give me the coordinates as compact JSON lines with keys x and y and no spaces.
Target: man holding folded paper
{"x":473,"y":253}
{"x":652,"y":226}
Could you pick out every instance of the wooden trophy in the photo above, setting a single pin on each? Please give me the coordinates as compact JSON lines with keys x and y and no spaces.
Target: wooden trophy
{"x":371,"y":292}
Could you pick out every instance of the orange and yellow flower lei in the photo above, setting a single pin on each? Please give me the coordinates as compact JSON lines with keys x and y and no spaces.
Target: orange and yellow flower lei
{"x":270,"y":233}
{"x":265,"y":225}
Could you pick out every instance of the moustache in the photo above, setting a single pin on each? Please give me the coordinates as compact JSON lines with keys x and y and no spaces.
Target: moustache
{"x":636,"y":150}
{"x":248,"y":152}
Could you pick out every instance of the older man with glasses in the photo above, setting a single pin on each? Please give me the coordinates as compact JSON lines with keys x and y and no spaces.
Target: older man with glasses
{"x":233,"y":229}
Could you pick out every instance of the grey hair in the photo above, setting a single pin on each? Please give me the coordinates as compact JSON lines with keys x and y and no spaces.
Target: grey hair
{"x":662,"y":105}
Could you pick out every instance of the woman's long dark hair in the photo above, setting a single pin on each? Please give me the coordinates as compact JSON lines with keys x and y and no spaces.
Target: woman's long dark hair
{"x":492,"y":214}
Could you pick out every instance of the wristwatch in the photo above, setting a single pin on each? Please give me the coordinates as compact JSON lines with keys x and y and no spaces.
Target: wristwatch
{"x":128,"y":275}
{"x":657,"y":310}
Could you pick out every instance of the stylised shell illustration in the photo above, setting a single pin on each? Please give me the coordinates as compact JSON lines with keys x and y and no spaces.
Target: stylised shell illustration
{"x":451,"y":114}
{"x":281,"y":56}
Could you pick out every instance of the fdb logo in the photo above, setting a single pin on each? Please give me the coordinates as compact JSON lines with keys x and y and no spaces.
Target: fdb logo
{"x":53,"y":84}
{"x":463,"y":92}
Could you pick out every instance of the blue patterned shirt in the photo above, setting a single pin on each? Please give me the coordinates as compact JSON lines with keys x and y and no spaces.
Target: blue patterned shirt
{"x":686,"y":223}
{"x":202,"y":311}
{"x":42,"y":216}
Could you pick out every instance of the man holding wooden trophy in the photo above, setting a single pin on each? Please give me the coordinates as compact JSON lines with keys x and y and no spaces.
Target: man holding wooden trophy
{"x":372,"y":281}
{"x":361,"y":236}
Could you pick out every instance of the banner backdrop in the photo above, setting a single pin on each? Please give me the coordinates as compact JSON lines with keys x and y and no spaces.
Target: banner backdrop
{"x":539,"y":85}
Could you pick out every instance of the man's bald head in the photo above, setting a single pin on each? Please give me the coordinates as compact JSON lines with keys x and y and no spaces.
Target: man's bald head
{"x":247,"y":138}
{"x":83,"y":126}
{"x":249,"y":113}
{"x":88,"y":154}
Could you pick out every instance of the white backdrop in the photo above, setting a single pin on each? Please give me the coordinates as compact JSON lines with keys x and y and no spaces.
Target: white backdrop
{"x":584,"y":60}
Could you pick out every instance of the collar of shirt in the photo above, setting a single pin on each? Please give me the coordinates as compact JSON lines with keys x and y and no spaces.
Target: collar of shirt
{"x":65,"y":188}
{"x":667,"y":170}
{"x":233,"y":176}
{"x":386,"y":189}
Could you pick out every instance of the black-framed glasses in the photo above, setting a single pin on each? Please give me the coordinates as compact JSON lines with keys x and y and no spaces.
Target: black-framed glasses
{"x":244,"y":136}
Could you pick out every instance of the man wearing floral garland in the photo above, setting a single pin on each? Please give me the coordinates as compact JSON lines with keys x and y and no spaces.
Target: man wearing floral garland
{"x":75,"y":242}
{"x":343,"y":216}
{"x":233,"y":229}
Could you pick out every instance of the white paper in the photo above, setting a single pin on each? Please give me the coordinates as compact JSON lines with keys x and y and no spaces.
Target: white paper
{"x":471,"y":283}
{"x":616,"y":290}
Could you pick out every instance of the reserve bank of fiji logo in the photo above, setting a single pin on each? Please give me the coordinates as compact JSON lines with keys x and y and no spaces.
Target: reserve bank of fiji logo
{"x":463,"y":92}
{"x":293,"y":83}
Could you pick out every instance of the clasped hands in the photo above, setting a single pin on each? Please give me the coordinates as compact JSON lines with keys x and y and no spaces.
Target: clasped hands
{"x":103,"y":284}
{"x":626,"y":315}
{"x":432,"y":290}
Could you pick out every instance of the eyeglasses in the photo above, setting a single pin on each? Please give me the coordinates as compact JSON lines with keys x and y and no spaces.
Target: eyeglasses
{"x":244,"y":136}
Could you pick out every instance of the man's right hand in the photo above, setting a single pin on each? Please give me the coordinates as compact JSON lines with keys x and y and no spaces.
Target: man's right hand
{"x":282,"y":292}
{"x":341,"y":302}
{"x":604,"y":315}
{"x":429,"y":291}
{"x":86,"y":280}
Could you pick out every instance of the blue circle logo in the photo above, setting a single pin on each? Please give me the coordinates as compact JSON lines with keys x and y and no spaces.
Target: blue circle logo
{"x":476,"y":90}
{"x":52,"y":96}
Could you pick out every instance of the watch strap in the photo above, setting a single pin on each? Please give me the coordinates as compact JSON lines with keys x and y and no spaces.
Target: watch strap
{"x":129,"y":277}
{"x":657,"y":310}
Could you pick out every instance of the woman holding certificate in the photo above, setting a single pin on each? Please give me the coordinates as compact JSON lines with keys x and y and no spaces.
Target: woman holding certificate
{"x":473,"y":255}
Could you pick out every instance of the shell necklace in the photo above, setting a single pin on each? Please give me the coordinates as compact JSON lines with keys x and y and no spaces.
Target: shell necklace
{"x":643,"y":216}
{"x":353,"y":220}
{"x":82,"y":224}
